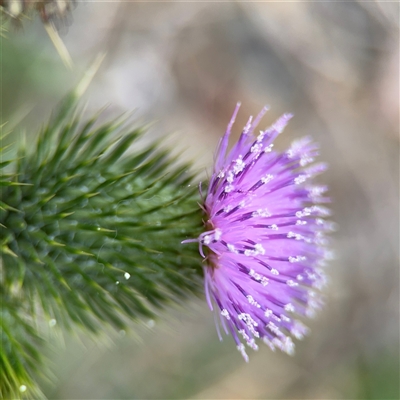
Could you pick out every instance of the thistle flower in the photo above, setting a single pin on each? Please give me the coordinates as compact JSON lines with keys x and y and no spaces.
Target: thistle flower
{"x":265,"y":237}
{"x":53,"y":11}
{"x":54,"y":14}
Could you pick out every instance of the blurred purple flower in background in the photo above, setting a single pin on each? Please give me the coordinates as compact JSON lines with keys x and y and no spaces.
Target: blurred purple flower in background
{"x":265,"y":237}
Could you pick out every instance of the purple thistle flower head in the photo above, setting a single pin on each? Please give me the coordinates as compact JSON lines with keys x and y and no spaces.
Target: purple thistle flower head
{"x":265,"y":235}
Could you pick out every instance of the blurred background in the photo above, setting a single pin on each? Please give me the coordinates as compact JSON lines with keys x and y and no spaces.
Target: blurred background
{"x":335,"y":65}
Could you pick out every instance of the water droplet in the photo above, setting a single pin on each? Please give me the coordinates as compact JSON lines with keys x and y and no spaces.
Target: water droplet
{"x":151,"y":323}
{"x":52,"y":322}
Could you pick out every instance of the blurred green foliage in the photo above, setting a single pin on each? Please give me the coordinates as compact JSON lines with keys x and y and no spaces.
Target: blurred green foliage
{"x":22,"y":79}
{"x":378,"y":377}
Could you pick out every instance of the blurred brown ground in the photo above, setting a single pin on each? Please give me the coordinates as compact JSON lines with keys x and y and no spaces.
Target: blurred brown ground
{"x":336,"y":67}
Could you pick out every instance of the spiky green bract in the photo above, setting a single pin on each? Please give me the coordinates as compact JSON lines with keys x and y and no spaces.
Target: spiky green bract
{"x":92,"y":223}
